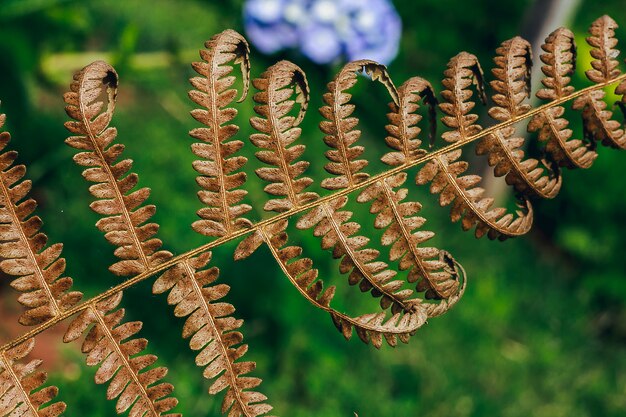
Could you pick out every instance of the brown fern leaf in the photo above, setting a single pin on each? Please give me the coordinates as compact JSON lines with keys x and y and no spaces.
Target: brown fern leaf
{"x":559,"y":63}
{"x":331,"y":223}
{"x":468,"y":203}
{"x":21,"y":392}
{"x":221,"y":184}
{"x":403,"y":128}
{"x":462,"y":72}
{"x":23,"y":250}
{"x":443,"y":306}
{"x":597,"y":122}
{"x":428,"y":266}
{"x":604,"y":51}
{"x":214,"y":333}
{"x":339,"y":127}
{"x":506,"y":151}
{"x":369,"y":327}
{"x":109,"y":346}
{"x":433,"y":269}
{"x":279,"y":130}
{"x":124,"y":219}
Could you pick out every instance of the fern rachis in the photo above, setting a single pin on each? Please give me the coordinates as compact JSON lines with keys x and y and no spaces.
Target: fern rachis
{"x":191,"y":282}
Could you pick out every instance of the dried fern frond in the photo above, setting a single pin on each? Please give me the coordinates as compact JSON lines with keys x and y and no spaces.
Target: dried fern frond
{"x":331,"y":223}
{"x":403,"y":128}
{"x":463,"y":71}
{"x":214,"y":333}
{"x":213,"y":330}
{"x":90,"y":103}
{"x":218,"y":169}
{"x":468,"y":203}
{"x":22,"y":391}
{"x":604,"y":51}
{"x":277,"y":85}
{"x":110,"y":346}
{"x":278,"y":130}
{"x":597,"y":122}
{"x":23,"y":250}
{"x":369,"y":327}
{"x":123,"y":224}
{"x":339,"y":128}
{"x":505,"y":150}
{"x":559,"y":63}
{"x":433,"y":269}
{"x":238,"y":401}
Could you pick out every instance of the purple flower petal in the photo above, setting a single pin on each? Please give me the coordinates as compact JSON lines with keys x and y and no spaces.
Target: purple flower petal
{"x":296,"y":12}
{"x":269,"y":39}
{"x":320,"y":43}
{"x":382,"y":46}
{"x":324,"y":30}
{"x":264,"y":11}
{"x":325,"y":11}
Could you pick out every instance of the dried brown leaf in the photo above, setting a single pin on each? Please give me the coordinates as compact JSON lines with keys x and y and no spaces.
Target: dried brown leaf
{"x":403,"y":128}
{"x":109,"y":344}
{"x":444,"y":171}
{"x":598,"y":124}
{"x":432,"y":268}
{"x":214,"y":333}
{"x":91,"y":102}
{"x":281,"y":87}
{"x":462,"y":72}
{"x":22,"y":391}
{"x":331,"y":223}
{"x":218,"y":166}
{"x":537,"y":178}
{"x":559,"y":63}
{"x":370,"y":327}
{"x":339,"y":127}
{"x":604,"y":51}
{"x":37,"y":267}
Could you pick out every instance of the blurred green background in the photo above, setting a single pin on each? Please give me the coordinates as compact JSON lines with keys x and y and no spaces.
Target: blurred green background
{"x":540,"y":332}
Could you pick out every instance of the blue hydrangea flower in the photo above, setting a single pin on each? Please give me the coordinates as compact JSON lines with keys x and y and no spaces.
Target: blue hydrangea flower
{"x":325,"y":30}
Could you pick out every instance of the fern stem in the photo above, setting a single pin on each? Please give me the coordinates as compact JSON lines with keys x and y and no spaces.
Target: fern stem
{"x":313,"y":300}
{"x":215,"y":128}
{"x":284,"y":215}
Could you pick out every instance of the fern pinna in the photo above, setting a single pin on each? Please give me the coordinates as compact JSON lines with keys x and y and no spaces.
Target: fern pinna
{"x":413,"y":280}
